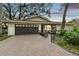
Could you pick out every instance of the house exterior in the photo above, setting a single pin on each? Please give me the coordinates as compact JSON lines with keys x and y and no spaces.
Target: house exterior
{"x":33,"y":25}
{"x":76,"y":22}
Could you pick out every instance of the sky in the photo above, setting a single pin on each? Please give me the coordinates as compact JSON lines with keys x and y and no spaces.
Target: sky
{"x":57,"y":12}
{"x":72,"y":13}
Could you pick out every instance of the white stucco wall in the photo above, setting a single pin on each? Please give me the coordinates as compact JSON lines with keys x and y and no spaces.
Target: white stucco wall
{"x":39,"y":28}
{"x":11,"y":29}
{"x":58,"y":27}
{"x":67,"y":27}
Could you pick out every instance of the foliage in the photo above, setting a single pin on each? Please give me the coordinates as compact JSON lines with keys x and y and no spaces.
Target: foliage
{"x":76,"y":29}
{"x":4,"y":31}
{"x":62,"y":32}
{"x":3,"y":37}
{"x":70,"y":40}
{"x":0,"y":19}
{"x":72,"y":37}
{"x":53,"y":31}
{"x":60,"y":41}
{"x":22,"y":10}
{"x":74,"y":49}
{"x":71,"y":21}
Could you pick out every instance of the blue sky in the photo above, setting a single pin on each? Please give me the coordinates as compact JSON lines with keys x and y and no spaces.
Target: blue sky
{"x":72,"y":13}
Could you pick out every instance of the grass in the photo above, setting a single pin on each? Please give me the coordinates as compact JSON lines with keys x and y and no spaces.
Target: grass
{"x":69,"y":47}
{"x":3,"y":37}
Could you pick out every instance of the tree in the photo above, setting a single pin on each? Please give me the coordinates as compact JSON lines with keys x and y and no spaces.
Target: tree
{"x":0,"y":18}
{"x":9,"y":11}
{"x":27,"y":10}
{"x":37,"y":9}
{"x":22,"y":10}
{"x":64,"y":15}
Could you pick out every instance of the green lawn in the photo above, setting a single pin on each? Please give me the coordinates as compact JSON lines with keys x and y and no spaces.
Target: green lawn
{"x":69,"y":47}
{"x":3,"y":37}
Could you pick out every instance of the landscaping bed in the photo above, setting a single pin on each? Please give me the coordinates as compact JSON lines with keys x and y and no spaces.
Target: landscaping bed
{"x":69,"y":40}
{"x":3,"y":37}
{"x":71,"y":48}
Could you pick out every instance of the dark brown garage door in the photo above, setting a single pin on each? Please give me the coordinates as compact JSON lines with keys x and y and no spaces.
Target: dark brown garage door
{"x":26,"y":29}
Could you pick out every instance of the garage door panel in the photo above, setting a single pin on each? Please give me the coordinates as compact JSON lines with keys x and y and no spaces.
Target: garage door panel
{"x":26,"y":30}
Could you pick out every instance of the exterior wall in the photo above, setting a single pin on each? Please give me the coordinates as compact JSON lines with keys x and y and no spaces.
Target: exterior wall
{"x":67,"y":27}
{"x":11,"y":29}
{"x":58,"y":27}
{"x":76,"y":22}
{"x":47,"y":27}
{"x":39,"y":28}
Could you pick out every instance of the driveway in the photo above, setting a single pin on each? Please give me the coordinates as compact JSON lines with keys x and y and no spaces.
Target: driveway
{"x":30,"y":45}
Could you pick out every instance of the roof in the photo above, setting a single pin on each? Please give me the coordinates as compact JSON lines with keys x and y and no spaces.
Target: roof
{"x":34,"y":22}
{"x":45,"y":18}
{"x":27,"y":22}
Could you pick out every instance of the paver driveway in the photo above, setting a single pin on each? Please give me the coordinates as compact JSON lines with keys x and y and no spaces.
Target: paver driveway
{"x":32,"y":45}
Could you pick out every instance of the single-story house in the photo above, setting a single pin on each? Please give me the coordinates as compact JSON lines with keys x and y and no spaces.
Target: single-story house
{"x":33,"y":25}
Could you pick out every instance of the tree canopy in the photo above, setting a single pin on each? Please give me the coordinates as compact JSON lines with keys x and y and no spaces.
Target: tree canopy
{"x":19,"y":11}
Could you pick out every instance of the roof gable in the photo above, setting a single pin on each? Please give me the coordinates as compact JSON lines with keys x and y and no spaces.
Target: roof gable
{"x":37,"y":19}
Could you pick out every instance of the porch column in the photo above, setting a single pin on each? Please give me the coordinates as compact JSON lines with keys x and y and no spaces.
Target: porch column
{"x":39,"y":28}
{"x":11,"y":29}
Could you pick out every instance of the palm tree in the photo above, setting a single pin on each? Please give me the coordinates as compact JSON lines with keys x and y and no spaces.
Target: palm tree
{"x":64,"y":15}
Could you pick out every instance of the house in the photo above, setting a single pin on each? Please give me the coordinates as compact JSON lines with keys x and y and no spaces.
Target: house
{"x":76,"y":22}
{"x":33,"y":25}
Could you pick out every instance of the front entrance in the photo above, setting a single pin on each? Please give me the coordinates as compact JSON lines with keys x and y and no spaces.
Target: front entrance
{"x":25,"y":29}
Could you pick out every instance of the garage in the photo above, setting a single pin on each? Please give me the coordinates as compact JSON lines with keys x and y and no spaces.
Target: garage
{"x":29,"y":25}
{"x":25,"y":29}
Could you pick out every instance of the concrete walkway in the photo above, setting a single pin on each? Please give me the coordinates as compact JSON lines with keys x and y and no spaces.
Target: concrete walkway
{"x":30,"y":45}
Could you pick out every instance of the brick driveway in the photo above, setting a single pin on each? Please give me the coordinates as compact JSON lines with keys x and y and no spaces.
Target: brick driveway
{"x":30,"y":45}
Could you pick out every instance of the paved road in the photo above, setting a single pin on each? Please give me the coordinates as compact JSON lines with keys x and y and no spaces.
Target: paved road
{"x":30,"y":45}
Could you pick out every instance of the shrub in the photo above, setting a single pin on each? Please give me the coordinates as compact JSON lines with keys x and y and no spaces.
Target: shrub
{"x":62,"y":32}
{"x":4,"y":31}
{"x":76,"y":29}
{"x":3,"y":37}
{"x":53,"y":31}
{"x":72,"y":37}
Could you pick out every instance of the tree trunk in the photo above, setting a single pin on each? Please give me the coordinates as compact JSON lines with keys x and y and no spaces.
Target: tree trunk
{"x":64,"y":16}
{"x":10,"y":15}
{"x":20,"y":11}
